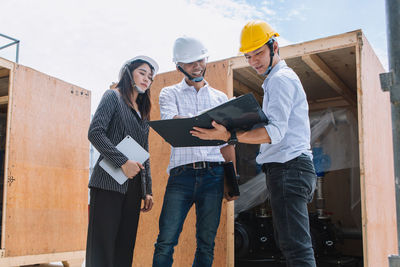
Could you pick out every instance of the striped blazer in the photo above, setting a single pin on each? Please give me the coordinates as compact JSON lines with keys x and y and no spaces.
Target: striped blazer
{"x":112,"y":121}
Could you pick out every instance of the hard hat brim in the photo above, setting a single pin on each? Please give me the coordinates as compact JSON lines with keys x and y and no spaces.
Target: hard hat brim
{"x":147,"y":59}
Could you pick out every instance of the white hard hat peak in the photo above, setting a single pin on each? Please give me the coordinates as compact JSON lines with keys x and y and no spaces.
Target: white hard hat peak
{"x":188,"y":49}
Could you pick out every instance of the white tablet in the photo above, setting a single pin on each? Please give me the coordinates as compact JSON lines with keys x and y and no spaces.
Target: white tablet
{"x":132,"y":150}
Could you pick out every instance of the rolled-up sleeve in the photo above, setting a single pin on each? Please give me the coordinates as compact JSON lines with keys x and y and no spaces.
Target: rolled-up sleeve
{"x":168,"y":105}
{"x":281,"y":94}
{"x":97,"y":134}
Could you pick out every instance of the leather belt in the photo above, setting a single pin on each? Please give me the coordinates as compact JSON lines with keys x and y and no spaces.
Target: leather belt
{"x":200,"y":165}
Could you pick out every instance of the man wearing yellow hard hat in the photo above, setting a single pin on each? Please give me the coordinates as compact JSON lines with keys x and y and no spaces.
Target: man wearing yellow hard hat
{"x":285,"y":152}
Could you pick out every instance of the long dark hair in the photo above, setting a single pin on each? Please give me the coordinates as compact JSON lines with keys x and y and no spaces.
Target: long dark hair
{"x":125,"y":88}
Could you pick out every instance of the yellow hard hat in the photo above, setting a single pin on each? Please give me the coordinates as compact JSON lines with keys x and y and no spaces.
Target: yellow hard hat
{"x":255,"y":34}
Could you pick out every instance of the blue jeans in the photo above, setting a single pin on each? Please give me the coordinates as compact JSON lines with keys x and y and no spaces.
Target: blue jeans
{"x":292,"y":186}
{"x":187,"y":186}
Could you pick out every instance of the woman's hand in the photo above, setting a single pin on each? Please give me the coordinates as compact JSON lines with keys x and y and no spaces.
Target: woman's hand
{"x":147,"y":203}
{"x":131,"y":168}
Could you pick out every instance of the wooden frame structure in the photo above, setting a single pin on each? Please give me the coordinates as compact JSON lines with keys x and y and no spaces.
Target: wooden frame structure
{"x":46,"y":168}
{"x":337,"y":71}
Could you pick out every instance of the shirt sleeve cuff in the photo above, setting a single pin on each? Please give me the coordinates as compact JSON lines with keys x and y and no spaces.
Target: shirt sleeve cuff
{"x":120,"y":161}
{"x":273,"y":134}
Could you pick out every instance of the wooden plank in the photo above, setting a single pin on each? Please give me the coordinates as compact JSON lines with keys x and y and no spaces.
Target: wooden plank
{"x":218,"y":76}
{"x":376,"y":160}
{"x":323,"y":70}
{"x":241,"y":89}
{"x":327,"y":103}
{"x":3,"y":100}
{"x":42,"y":258}
{"x":48,"y":166}
{"x":4,"y":86}
{"x":252,"y":75}
{"x":238,"y":75}
{"x":4,"y":72}
{"x":333,"y":42}
{"x":8,"y":92}
{"x":228,"y":211}
{"x":230,"y":234}
{"x":4,"y":63}
{"x":311,"y":47}
{"x":343,"y":63}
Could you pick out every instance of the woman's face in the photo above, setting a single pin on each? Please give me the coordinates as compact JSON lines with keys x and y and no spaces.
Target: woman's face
{"x":143,"y":76}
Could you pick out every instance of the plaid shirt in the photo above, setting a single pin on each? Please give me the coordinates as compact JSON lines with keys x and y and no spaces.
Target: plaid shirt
{"x":184,"y":100}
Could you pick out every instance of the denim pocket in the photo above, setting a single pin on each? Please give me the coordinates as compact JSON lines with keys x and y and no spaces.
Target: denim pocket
{"x":275,"y":172}
{"x":302,"y":179}
{"x":312,"y":180}
{"x":176,"y":171}
{"x":217,"y":171}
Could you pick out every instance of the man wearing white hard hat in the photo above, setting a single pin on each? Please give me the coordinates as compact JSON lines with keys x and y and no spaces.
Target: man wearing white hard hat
{"x":196,"y":173}
{"x":114,"y":208}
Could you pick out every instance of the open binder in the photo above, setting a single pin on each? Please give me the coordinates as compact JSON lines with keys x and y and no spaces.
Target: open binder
{"x":241,"y":113}
{"x":230,"y":179}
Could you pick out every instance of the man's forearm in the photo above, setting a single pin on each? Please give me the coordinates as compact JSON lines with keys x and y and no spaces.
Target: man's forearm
{"x":228,"y":152}
{"x":255,"y":136}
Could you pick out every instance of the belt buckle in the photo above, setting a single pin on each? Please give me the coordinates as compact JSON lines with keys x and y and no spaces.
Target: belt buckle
{"x":199,"y":165}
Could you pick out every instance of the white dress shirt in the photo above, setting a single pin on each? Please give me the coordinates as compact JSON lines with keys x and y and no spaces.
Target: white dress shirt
{"x":184,"y":100}
{"x":285,"y":105}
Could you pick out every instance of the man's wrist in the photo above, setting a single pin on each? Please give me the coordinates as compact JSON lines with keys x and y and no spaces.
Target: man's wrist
{"x":233,"y":138}
{"x":228,"y":136}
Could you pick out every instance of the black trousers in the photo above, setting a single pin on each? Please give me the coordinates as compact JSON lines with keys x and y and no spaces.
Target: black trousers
{"x":113,"y":222}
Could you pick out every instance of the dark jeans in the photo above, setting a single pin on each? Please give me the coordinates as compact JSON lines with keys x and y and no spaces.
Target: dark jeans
{"x":113,"y":222}
{"x":187,"y":186}
{"x":292,"y":186}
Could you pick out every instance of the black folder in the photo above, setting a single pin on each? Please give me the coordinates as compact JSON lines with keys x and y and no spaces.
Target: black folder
{"x":241,"y":113}
{"x":231,"y":181}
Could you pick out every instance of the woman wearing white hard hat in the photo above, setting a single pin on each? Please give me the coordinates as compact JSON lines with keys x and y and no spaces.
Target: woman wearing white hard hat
{"x":114,"y":207}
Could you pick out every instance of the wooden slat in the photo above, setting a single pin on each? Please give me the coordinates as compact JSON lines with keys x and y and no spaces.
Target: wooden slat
{"x":42,"y":258}
{"x":327,"y":103}
{"x":4,"y":63}
{"x":252,"y":75}
{"x":321,"y":45}
{"x":377,"y":179}
{"x":311,"y":47}
{"x":6,"y":89}
{"x":4,"y":72}
{"x":238,"y":74}
{"x":323,"y":70}
{"x":241,"y":89}
{"x":3,"y":100}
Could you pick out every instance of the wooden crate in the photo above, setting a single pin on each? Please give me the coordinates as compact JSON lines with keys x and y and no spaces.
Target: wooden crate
{"x":46,"y":167}
{"x":336,"y":71}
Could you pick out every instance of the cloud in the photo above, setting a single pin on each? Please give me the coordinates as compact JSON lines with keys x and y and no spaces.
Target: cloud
{"x":230,"y":9}
{"x":86,"y":42}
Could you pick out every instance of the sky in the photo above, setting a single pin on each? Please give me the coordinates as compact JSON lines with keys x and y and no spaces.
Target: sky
{"x":86,"y":42}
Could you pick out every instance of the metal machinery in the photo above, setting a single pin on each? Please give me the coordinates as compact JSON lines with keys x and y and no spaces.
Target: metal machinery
{"x":254,"y":231}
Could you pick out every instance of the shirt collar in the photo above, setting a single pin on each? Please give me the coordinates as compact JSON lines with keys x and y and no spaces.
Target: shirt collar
{"x":280,"y":65}
{"x":184,"y":86}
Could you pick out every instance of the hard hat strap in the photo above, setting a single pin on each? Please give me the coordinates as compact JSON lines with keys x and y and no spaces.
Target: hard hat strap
{"x":270,"y":44}
{"x":194,"y":79}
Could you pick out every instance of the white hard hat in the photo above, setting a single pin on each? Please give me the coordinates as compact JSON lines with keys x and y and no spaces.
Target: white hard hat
{"x":188,"y":49}
{"x":147,"y":59}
